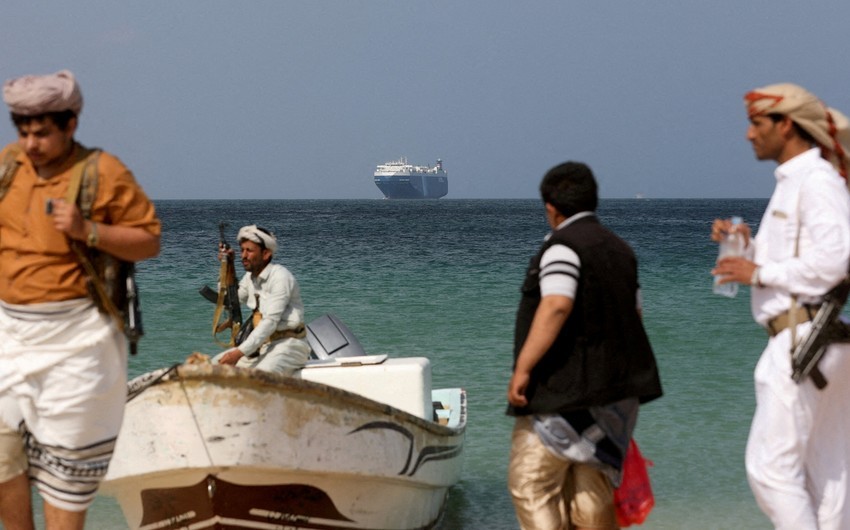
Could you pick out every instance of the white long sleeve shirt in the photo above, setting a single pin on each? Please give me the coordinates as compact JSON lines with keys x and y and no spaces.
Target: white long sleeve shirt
{"x":280,"y":303}
{"x":809,"y":209}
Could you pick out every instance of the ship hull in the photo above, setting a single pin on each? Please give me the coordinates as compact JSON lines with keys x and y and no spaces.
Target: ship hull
{"x":413,"y":186}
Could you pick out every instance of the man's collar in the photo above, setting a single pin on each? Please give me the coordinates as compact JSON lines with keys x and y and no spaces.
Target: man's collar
{"x":789,"y":167}
{"x":573,"y":218}
{"x":264,"y":274}
{"x":570,"y":220}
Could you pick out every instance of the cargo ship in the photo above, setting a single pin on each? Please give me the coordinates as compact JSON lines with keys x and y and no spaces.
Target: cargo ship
{"x":400,"y":180}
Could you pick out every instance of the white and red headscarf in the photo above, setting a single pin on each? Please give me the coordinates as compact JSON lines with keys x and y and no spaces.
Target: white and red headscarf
{"x":829,"y":127}
{"x":32,"y":95}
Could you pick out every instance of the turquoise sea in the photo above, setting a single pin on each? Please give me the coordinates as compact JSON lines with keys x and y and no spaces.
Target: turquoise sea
{"x":441,"y":279}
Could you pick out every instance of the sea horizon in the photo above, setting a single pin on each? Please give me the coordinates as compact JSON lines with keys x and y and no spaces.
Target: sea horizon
{"x":440,"y":279}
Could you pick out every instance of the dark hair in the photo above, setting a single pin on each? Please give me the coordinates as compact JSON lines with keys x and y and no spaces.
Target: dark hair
{"x":60,"y":118}
{"x":570,"y":188}
{"x":775,"y":117}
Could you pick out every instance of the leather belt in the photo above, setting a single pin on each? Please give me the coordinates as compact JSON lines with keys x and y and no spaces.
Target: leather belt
{"x":298,"y":333}
{"x":783,"y":320}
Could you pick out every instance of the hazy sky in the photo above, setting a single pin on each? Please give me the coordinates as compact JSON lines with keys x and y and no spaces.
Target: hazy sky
{"x":280,"y":99}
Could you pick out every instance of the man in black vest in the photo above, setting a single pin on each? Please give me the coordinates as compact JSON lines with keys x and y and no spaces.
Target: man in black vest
{"x":582,"y":364}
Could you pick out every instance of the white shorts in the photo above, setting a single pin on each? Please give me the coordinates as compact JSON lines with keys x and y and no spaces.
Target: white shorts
{"x":13,"y":461}
{"x":63,"y":394}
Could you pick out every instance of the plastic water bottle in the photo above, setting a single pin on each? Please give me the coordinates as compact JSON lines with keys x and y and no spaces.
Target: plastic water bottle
{"x":731,"y":246}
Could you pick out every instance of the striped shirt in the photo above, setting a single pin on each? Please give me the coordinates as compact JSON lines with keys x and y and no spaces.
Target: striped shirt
{"x":560,"y":266}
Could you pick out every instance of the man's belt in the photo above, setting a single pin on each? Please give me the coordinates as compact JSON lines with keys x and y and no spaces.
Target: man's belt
{"x":782,"y":321}
{"x":298,"y":333}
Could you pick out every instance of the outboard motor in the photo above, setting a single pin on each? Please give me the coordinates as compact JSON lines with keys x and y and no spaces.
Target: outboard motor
{"x":329,"y":337}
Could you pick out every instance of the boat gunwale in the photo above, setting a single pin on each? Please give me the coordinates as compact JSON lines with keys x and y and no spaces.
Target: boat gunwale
{"x":260,"y":379}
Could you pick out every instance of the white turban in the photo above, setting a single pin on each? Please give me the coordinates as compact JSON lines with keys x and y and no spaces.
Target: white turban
{"x":33,"y":95}
{"x":829,"y":127}
{"x":258,"y":235}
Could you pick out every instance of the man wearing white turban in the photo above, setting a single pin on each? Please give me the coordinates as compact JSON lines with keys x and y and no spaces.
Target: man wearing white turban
{"x":278,"y":340}
{"x":63,"y":362}
{"x":798,"y":452}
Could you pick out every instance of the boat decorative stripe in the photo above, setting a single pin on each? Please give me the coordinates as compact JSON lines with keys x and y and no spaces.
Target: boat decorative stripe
{"x":427,"y":454}
{"x":433,"y":453}
{"x":216,"y":503}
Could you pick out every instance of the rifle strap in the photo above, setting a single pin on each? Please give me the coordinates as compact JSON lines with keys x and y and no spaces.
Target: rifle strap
{"x":8,"y":168}
{"x":817,"y":376}
{"x":81,"y":190}
{"x":792,"y":321}
{"x":219,"y":326}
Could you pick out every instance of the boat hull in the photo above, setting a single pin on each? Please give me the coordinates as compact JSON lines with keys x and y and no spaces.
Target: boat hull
{"x":221,"y":447}
{"x":413,"y":186}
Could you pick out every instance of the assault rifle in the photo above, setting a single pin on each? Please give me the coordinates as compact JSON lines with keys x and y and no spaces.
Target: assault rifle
{"x":827,"y":328}
{"x":227,"y":299}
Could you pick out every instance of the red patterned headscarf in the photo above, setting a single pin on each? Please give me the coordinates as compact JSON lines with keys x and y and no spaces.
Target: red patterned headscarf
{"x":829,"y":127}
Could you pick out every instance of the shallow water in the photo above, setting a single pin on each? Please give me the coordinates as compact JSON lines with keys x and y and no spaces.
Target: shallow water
{"x":440,"y":279}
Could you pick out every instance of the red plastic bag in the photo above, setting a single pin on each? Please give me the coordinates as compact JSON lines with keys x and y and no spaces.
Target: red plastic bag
{"x":633,"y":499}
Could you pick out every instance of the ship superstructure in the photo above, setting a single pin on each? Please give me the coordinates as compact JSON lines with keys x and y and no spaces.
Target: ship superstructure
{"x":399,"y":179}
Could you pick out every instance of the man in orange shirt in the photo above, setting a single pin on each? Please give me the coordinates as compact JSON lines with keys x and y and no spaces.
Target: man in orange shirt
{"x":64,"y":362}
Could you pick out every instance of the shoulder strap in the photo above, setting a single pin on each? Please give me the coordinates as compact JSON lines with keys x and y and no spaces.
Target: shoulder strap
{"x":88,"y":189}
{"x":8,"y":168}
{"x":792,"y":313}
{"x":82,"y":189}
{"x":83,"y":184}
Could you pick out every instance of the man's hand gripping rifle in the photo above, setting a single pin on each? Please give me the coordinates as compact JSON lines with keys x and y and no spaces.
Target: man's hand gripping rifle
{"x":827,"y":328}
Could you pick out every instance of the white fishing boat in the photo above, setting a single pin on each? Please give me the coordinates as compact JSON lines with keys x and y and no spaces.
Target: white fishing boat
{"x":349,"y":442}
